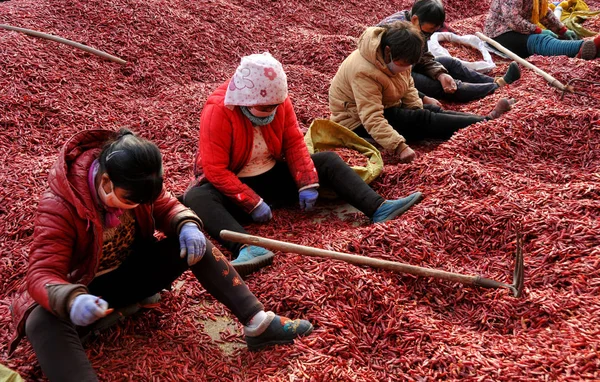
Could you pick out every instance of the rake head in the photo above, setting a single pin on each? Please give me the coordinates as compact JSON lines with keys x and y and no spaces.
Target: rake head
{"x":518,"y":278}
{"x":519,"y":275}
{"x":569,"y":88}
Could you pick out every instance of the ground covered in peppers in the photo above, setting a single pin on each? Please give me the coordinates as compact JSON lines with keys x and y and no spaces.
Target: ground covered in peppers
{"x":536,"y":168}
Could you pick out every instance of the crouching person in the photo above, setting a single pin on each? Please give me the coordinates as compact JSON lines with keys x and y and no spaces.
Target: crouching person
{"x":446,"y":77}
{"x":374,"y":95}
{"x":517,"y":25}
{"x":252,"y":157}
{"x":94,"y":237}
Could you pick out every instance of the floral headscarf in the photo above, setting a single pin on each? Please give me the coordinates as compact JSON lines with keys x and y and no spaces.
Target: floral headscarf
{"x":259,"y":80}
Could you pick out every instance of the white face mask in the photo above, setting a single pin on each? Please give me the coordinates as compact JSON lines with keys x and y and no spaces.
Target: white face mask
{"x":397,"y":68}
{"x":111,"y":200}
{"x":261,"y":114}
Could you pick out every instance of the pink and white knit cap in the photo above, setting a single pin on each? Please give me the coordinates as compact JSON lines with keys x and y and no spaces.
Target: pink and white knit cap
{"x":259,"y":80}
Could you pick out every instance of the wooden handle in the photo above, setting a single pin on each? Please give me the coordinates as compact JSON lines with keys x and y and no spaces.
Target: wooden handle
{"x":551,"y":80}
{"x":65,"y":41}
{"x":352,"y":259}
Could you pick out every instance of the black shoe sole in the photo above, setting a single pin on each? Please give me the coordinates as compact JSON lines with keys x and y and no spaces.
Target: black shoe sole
{"x":262,"y":345}
{"x":254,"y":265}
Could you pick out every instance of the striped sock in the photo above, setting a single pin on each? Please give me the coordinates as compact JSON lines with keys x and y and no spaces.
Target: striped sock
{"x":545,"y":45}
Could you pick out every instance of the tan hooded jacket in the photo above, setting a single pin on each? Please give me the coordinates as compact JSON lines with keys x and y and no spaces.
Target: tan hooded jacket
{"x":363,"y":87}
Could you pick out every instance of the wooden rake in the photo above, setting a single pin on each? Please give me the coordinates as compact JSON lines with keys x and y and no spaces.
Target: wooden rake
{"x":516,"y":287}
{"x":569,"y":88}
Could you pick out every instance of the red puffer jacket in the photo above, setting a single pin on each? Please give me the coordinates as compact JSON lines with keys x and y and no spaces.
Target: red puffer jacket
{"x":225,"y":146}
{"x":67,"y":238}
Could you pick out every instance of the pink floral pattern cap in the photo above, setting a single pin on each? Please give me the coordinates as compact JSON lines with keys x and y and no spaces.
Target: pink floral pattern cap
{"x":259,"y":80}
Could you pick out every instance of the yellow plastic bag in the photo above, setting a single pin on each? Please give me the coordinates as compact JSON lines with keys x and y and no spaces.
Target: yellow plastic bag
{"x":324,"y":135}
{"x":7,"y":375}
{"x":574,"y":13}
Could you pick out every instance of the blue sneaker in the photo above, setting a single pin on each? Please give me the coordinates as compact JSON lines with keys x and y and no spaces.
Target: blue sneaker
{"x":393,"y":208}
{"x":251,"y":259}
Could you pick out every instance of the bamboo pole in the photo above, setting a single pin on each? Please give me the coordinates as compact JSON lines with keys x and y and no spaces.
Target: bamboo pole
{"x":551,"y":80}
{"x":66,"y":42}
{"x":364,"y":260}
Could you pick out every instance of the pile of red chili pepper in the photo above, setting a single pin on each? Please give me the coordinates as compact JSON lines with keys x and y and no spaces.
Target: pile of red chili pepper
{"x":536,"y":168}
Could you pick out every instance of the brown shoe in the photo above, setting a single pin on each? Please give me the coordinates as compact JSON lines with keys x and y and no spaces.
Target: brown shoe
{"x":588,"y":50}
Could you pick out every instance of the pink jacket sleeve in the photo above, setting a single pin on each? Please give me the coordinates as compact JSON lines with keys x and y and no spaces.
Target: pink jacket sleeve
{"x":551,"y":22}
{"x":512,"y":10}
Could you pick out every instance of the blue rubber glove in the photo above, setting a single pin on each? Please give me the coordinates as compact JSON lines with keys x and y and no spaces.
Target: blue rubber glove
{"x":570,"y":35}
{"x":262,"y":213}
{"x":86,"y":309}
{"x":191,"y":242}
{"x":549,"y":33}
{"x":308,"y":198}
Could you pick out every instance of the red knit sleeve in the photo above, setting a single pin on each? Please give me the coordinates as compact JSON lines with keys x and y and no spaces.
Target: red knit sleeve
{"x":216,"y":144}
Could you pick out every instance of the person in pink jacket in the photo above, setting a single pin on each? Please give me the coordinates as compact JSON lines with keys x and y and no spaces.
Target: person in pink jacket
{"x":252,"y":158}
{"x":517,"y":25}
{"x":94,"y":236}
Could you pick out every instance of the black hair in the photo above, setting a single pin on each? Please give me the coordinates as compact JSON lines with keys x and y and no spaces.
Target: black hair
{"x":429,"y":11}
{"x":405,"y":41}
{"x":135,"y":165}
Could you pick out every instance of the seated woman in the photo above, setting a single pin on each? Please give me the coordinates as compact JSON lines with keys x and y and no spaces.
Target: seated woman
{"x":515,"y":24}
{"x":446,"y":77}
{"x":94,"y":237}
{"x":373,"y":93}
{"x":252,"y":157}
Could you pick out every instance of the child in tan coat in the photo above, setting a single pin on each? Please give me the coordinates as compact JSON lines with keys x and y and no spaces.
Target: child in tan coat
{"x":374,"y":95}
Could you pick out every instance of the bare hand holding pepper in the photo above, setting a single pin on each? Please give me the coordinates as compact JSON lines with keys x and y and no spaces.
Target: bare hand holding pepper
{"x":447,"y":82}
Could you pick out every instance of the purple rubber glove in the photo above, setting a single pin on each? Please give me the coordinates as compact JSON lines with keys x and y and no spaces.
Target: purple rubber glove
{"x":191,"y":242}
{"x":308,"y":198}
{"x":262,"y":213}
{"x":86,"y":309}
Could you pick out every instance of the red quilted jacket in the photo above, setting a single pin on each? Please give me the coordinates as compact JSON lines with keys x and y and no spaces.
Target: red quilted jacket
{"x":67,"y":238}
{"x":225,"y":146}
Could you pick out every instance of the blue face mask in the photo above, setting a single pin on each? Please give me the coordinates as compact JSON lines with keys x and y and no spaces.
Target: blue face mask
{"x":257,"y":121}
{"x":395,"y":69}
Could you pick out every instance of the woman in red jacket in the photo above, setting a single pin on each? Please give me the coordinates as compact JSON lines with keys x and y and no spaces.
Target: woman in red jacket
{"x":94,"y":237}
{"x":252,"y":156}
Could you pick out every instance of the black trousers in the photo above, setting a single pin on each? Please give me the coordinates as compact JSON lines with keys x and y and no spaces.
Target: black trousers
{"x":428,"y":123}
{"x":278,"y":188}
{"x":153,"y":266}
{"x":515,"y":42}
{"x":470,"y":84}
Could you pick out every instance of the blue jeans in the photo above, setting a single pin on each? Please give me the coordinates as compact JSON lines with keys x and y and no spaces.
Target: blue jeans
{"x":470,"y":84}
